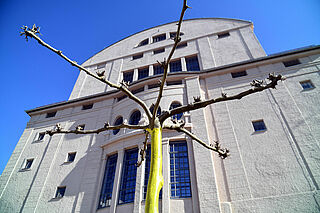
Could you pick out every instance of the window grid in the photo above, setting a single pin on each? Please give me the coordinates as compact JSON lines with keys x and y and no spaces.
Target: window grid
{"x":128,"y":181}
{"x":192,"y":64}
{"x":116,"y":123}
{"x":173,"y":106}
{"x":143,"y":73}
{"x":159,"y":38}
{"x":259,"y":125}
{"x":157,"y":69}
{"x":108,"y":179}
{"x":175,"y":66}
{"x":180,"y":184}
{"x":135,"y":118}
{"x":128,"y":76}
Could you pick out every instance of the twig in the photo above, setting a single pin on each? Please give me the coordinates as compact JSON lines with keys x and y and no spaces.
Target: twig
{"x":143,"y":150}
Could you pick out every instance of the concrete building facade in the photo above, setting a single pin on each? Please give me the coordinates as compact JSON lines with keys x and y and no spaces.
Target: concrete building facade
{"x":273,"y":136}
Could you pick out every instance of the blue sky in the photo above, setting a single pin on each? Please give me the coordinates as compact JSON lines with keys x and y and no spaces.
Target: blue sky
{"x":32,"y":76}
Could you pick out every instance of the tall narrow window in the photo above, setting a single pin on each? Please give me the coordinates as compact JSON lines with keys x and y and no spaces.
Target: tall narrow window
{"x":41,"y":136}
{"x":128,"y":76}
{"x":143,"y":73}
{"x":152,"y":109}
{"x":157,"y":69}
{"x":175,"y":105}
{"x":71,"y":157}
{"x":135,"y":117}
{"x":129,"y":172}
{"x":192,"y":63}
{"x":28,"y":163}
{"x":117,"y":123}
{"x":175,"y":66}
{"x":180,"y":184}
{"x":147,"y":172}
{"x":60,"y":191}
{"x":108,"y":179}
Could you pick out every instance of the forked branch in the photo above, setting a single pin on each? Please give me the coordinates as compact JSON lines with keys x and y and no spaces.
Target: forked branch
{"x":143,"y":150}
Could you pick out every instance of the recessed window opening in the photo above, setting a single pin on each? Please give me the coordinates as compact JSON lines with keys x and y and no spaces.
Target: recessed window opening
{"x":173,"y":34}
{"x":60,"y":191}
{"x":173,"y":106}
{"x":238,"y":74}
{"x":170,"y":83}
{"x":41,"y":136}
{"x":135,"y":118}
{"x":118,"y":122}
{"x":87,"y":106}
{"x":128,"y":76}
{"x":259,"y":125}
{"x":51,"y":114}
{"x":159,"y":38}
{"x":291,"y":63}
{"x":151,"y":86}
{"x":180,"y":183}
{"x":192,"y":63}
{"x":175,"y":66}
{"x":143,"y":73}
{"x":152,"y":109}
{"x":28,"y":163}
{"x":108,"y":179}
{"x":306,"y":84}
{"x":141,"y":89}
{"x":158,"y":51}
{"x":181,"y":45}
{"x":223,"y":35}
{"x":71,"y":156}
{"x":157,"y":69}
{"x":144,"y":42}
{"x":134,"y":57}
{"x":129,"y":173}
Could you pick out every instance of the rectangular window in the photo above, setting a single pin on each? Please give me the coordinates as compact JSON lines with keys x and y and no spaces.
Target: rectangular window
{"x":159,"y":38}
{"x":151,"y":86}
{"x":223,"y":35}
{"x":128,"y":76}
{"x":291,"y":63}
{"x":238,"y":74}
{"x":141,"y":89}
{"x":157,"y":69}
{"x":147,"y":172}
{"x":259,"y":125}
{"x":71,"y":156}
{"x":306,"y":84}
{"x":51,"y":114}
{"x":180,"y":184}
{"x":28,"y":163}
{"x":170,"y":83}
{"x":137,"y":56}
{"x":175,"y":66}
{"x":87,"y":106}
{"x":41,"y":136}
{"x":128,"y":180}
{"x":108,"y":179}
{"x":158,"y":51}
{"x":192,"y":64}
{"x":143,"y":73}
{"x":181,"y":45}
{"x":60,"y":191}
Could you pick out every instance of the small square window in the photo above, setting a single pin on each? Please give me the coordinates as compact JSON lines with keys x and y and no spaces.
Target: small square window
{"x":223,"y":35}
{"x":71,"y":156}
{"x":41,"y":136}
{"x":259,"y":125}
{"x":306,"y":85}
{"x":291,"y":63}
{"x":238,"y":74}
{"x":60,"y":191}
{"x":128,"y":76}
{"x":28,"y":163}
{"x":143,"y":73}
{"x":157,"y":69}
{"x":87,"y":106}
{"x":51,"y":114}
{"x":137,"y":56}
{"x":158,"y":51}
{"x":159,"y":38}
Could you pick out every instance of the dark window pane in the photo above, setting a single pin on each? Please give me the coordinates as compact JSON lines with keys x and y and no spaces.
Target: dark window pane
{"x":144,"y":42}
{"x":128,"y":76}
{"x":117,"y":123}
{"x":238,"y":74}
{"x":87,"y":106}
{"x":71,"y":156}
{"x":157,"y":69}
{"x":307,"y":84}
{"x":175,"y":66}
{"x":60,"y":191}
{"x":137,"y":56}
{"x":223,"y":35}
{"x":173,"y":106}
{"x":51,"y":114}
{"x":41,"y":136}
{"x":135,"y":118}
{"x":143,"y":73}
{"x":181,"y":45}
{"x":291,"y":63}
{"x":158,"y":51}
{"x":192,"y":63}
{"x":28,"y":163}
{"x":159,"y":38}
{"x":259,"y":125}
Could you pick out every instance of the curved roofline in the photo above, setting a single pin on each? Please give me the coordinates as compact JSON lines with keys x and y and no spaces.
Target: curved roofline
{"x":231,"y":19}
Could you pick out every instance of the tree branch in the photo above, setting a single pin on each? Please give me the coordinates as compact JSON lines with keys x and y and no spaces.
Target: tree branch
{"x":143,"y":150}
{"x":223,"y":153}
{"x":165,"y":64}
{"x":58,"y":129}
{"x":32,"y":33}
{"x":197,"y":104}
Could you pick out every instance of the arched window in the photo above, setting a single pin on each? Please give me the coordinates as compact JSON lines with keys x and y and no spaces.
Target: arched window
{"x":175,"y":105}
{"x":135,"y":117}
{"x":116,"y":123}
{"x":158,"y":111}
{"x":144,"y":42}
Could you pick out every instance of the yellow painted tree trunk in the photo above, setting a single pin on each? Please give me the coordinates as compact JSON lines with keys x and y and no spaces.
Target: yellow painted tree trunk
{"x":155,"y":182}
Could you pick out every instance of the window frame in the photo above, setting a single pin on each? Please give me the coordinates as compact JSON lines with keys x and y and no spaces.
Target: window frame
{"x":128,"y":74}
{"x":58,"y":195}
{"x":158,"y":38}
{"x":143,"y":73}
{"x":72,"y":155}
{"x":51,"y":114}
{"x":27,"y":164}
{"x":257,"y":124}
{"x":306,"y":82}
{"x":41,"y":136}
{"x":135,"y":121}
{"x":190,"y":63}
{"x":174,"y":63}
{"x":176,"y":116}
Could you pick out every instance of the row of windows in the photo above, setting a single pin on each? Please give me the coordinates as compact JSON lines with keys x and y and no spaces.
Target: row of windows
{"x":180,"y":183}
{"x":192,"y":64}
{"x":84,"y":107}
{"x":158,"y":38}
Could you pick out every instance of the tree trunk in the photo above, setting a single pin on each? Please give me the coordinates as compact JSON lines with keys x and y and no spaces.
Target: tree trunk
{"x":155,"y":182}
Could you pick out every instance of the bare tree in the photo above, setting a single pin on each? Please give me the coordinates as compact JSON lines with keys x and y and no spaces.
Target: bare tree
{"x":155,"y":123}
